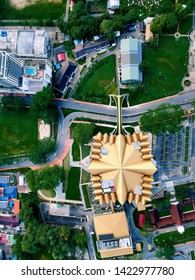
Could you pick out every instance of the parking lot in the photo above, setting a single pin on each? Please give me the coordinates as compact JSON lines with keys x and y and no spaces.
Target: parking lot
{"x":171,"y":153}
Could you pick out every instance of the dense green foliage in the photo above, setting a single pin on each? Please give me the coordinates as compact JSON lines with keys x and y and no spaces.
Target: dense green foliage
{"x":60,"y":242}
{"x":83,"y":133}
{"x":181,"y":191}
{"x":45,"y":178}
{"x":162,"y":202}
{"x":81,"y":25}
{"x":166,"y":251}
{"x":164,"y":22}
{"x":40,"y":152}
{"x":43,"y":106}
{"x":165,"y":118}
{"x":12,"y":104}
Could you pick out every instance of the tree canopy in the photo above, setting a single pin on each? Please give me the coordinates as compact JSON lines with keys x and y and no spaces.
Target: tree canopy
{"x":162,"y":202}
{"x":39,"y":153}
{"x":10,"y":103}
{"x":166,"y":250}
{"x":83,"y":133}
{"x":60,"y":242}
{"x":44,"y":178}
{"x":181,"y":192}
{"x":165,"y":118}
{"x":43,"y":105}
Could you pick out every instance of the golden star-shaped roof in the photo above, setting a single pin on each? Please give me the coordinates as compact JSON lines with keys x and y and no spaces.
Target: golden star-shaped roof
{"x":124,"y":164}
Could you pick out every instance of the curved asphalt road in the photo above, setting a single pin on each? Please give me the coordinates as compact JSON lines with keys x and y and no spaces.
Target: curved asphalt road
{"x":180,"y":99}
{"x":102,"y":112}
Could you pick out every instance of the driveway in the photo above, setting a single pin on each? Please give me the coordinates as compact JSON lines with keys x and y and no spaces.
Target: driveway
{"x":185,"y":249}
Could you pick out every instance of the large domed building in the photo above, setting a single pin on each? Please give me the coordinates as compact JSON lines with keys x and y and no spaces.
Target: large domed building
{"x":121,"y":167}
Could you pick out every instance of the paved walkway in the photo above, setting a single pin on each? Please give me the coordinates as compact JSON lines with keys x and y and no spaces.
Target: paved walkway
{"x":67,"y":11}
{"x":59,"y":200}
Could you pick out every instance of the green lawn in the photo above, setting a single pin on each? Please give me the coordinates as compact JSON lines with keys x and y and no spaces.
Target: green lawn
{"x":66,"y":165}
{"x":167,"y":67}
{"x":86,"y":196}
{"x":164,"y":213}
{"x":19,"y":133}
{"x":185,"y":170}
{"x":85,"y":176}
{"x":41,"y":10}
{"x":85,"y":151}
{"x":73,"y":191}
{"x":75,"y":151}
{"x":175,"y":238}
{"x":99,"y":82}
{"x":187,"y":208}
{"x":49,"y":193}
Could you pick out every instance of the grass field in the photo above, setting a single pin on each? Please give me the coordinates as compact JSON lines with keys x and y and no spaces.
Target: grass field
{"x":187,"y":208}
{"x":73,"y":191}
{"x":19,"y":133}
{"x":167,"y":67}
{"x":85,"y":151}
{"x":49,"y":193}
{"x":75,"y":151}
{"x":85,"y":177}
{"x":40,"y":10}
{"x":99,"y":84}
{"x":175,"y":238}
{"x":164,"y":213}
{"x":86,"y":196}
{"x":66,"y":165}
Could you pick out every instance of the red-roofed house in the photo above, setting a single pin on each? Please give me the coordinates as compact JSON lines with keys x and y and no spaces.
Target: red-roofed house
{"x":177,"y":214}
{"x":176,"y":218}
{"x":3,"y":239}
{"x":16,"y":206}
{"x":61,"y":57}
{"x":141,"y":220}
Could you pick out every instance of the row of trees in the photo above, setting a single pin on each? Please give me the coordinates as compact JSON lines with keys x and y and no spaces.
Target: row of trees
{"x":10,"y":104}
{"x":165,"y":118}
{"x":40,"y":152}
{"x":43,"y":106}
{"x":174,"y":12}
{"x":45,"y":178}
{"x":83,"y":133}
{"x":60,"y":242}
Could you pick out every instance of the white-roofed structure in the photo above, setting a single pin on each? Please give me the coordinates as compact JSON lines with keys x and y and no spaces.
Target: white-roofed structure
{"x":113,"y":4}
{"x":131,"y":58}
{"x":25,"y":43}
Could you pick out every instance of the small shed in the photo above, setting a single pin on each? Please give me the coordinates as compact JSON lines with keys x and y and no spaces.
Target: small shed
{"x":138,"y":247}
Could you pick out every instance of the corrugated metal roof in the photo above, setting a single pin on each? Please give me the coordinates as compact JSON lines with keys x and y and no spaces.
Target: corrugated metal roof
{"x":131,"y":57}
